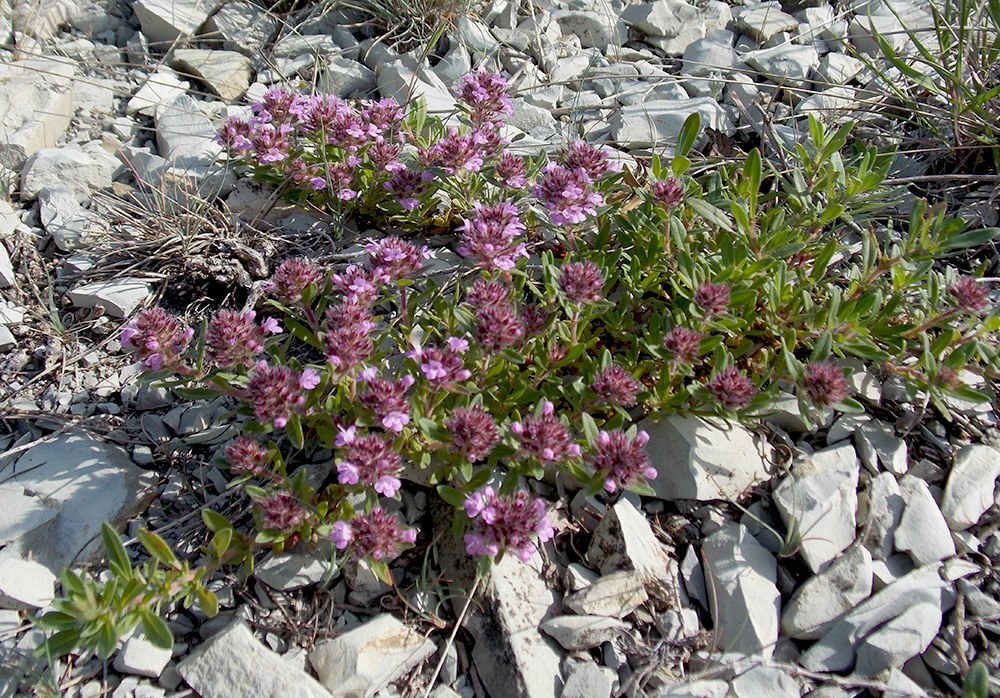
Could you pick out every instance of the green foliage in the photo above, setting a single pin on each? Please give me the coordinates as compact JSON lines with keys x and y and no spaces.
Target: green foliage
{"x":977,"y":682}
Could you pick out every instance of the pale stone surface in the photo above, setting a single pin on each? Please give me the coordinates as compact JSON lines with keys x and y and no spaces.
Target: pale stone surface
{"x":25,"y":584}
{"x":119,"y":297}
{"x":77,"y":171}
{"x":71,"y":225}
{"x":837,"y":589}
{"x":660,"y":18}
{"x":885,"y":507}
{"x":695,"y":689}
{"x":657,"y":123}
{"x":764,"y":682}
{"x":897,"y":641}
{"x":234,"y":664}
{"x":743,"y":596}
{"x":162,"y":87}
{"x":36,"y":106}
{"x":345,"y":78}
{"x":588,"y":680}
{"x":615,"y":595}
{"x":594,"y":29}
{"x":291,"y":570}
{"x":821,"y":497}
{"x":395,"y":79}
{"x":695,"y":460}
{"x":764,"y":22}
{"x":21,"y":513}
{"x":165,"y":21}
{"x":971,"y":483}
{"x":878,"y":444}
{"x":624,"y":541}
{"x":141,"y":657}
{"x":787,"y":64}
{"x":184,"y":135}
{"x":88,"y":482}
{"x":922,"y":531}
{"x":583,"y":632}
{"x":242,"y":26}
{"x":226,"y":73}
{"x":360,"y":662}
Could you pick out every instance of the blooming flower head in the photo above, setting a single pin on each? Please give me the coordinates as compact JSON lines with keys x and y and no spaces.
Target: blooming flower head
{"x":568,"y":194}
{"x":489,"y":235}
{"x":442,"y":366}
{"x":370,"y":460}
{"x":593,"y":160}
{"x":969,"y":294}
{"x":616,"y":386}
{"x":157,"y":338}
{"x":511,"y":170}
{"x":668,"y":193}
{"x":385,"y":116}
{"x":535,"y":319}
{"x":486,"y":95}
{"x":683,"y":344}
{"x":387,"y":400}
{"x":234,"y":338}
{"x":347,"y":335}
{"x":234,"y":134}
{"x":277,"y":392}
{"x":408,"y":185}
{"x":501,"y":523}
{"x":281,"y":511}
{"x":279,"y":106}
{"x":473,"y":432}
{"x":291,"y":279}
{"x":545,"y":437}
{"x":246,"y":455}
{"x":581,"y":282}
{"x":378,"y":535}
{"x":497,"y":325}
{"x":393,"y":258}
{"x":358,"y":285}
{"x":620,"y":459}
{"x":713,"y":299}
{"x":732,"y":390}
{"x":824,"y":384}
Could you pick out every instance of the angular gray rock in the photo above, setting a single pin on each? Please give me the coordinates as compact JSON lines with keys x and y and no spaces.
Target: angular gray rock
{"x":71,"y":225}
{"x":695,"y":689}
{"x":25,"y":584}
{"x":345,"y":78}
{"x":594,"y":29}
{"x":395,"y":79}
{"x":184,"y":135}
{"x":141,"y":657}
{"x":695,"y":460}
{"x":657,"y":123}
{"x":744,"y":599}
{"x":878,"y":444}
{"x":968,"y":492}
{"x":77,"y":171}
{"x":763,"y":22}
{"x":119,"y":297}
{"x":624,"y":541}
{"x":363,"y":660}
{"x":838,"y":68}
{"x":788,"y":65}
{"x":704,"y":56}
{"x":583,"y":632}
{"x":37,"y":99}
{"x":660,"y":18}
{"x":20,"y":512}
{"x":234,"y":664}
{"x":163,"y":86}
{"x":885,"y":508}
{"x":922,"y":531}
{"x":242,"y":26}
{"x":165,"y":21}
{"x":291,"y":570}
{"x":225,"y":73}
{"x":902,"y":638}
{"x":821,"y":497}
{"x":821,"y":599}
{"x":588,"y":680}
{"x":614,"y":595}
{"x":764,"y":682}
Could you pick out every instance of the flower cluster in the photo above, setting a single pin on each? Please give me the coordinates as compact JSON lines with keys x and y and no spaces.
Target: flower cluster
{"x":386,"y":399}
{"x":442,"y":366}
{"x":506,"y":522}
{"x":378,"y":535}
{"x":278,"y":392}
{"x":545,"y":437}
{"x":486,"y":95}
{"x":392,"y":258}
{"x":969,"y":294}
{"x":616,"y":386}
{"x":568,"y":194}
{"x":824,"y":384}
{"x":682,"y":344}
{"x":247,"y":456}
{"x":490,"y":235}
{"x":370,"y":460}
{"x":292,"y":278}
{"x":157,"y":338}
{"x":668,"y":193}
{"x":620,"y":459}
{"x":732,"y":390}
{"x":581,"y":282}
{"x":473,"y":432}
{"x":497,"y":324}
{"x":347,"y":335}
{"x":713,"y":299}
{"x":234,"y":338}
{"x":281,"y":511}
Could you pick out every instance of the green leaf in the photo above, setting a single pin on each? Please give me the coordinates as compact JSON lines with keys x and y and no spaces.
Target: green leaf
{"x":688,"y":134}
{"x":197,"y":393}
{"x":969,"y":239}
{"x":158,"y":548}
{"x":221,"y":541}
{"x":59,"y":644}
{"x":977,"y":681}
{"x":451,"y":495}
{"x":118,"y":559}
{"x":156,"y":631}
{"x":302,"y":333}
{"x":107,"y":640}
{"x":294,"y":430}
{"x":590,"y":427}
{"x":479,"y":479}
{"x":710,"y":213}
{"x":214,"y":521}
{"x":207,"y":601}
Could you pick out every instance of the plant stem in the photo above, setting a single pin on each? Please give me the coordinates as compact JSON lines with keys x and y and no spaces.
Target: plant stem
{"x":451,"y":638}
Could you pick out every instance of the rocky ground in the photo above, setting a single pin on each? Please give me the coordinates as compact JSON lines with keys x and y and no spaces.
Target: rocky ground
{"x":117,"y":201}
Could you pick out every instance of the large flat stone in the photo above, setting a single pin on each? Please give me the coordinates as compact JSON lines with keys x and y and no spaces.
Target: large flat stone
{"x":971,"y":482}
{"x":166,"y":21}
{"x":36,"y":106}
{"x":226,"y":73}
{"x":658,"y":123}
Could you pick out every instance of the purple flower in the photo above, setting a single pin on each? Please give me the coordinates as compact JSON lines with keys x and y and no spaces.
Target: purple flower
{"x":616,"y":386}
{"x":281,"y":511}
{"x":441,"y":366}
{"x":581,"y":282}
{"x":356,"y":284}
{"x":347,"y":335}
{"x":668,"y":193}
{"x":619,"y":459}
{"x":682,"y":344}
{"x":370,"y":460}
{"x":279,"y":106}
{"x":234,"y":134}
{"x":535,"y":319}
{"x":732,"y":390}
{"x":506,"y":523}
{"x":246,"y":455}
{"x":497,"y":325}
{"x":713,"y":299}
{"x":511,"y":170}
{"x":393,"y":258}
{"x":388,"y":401}
{"x":824,"y":384}
{"x":969,"y":294}
{"x":276,"y":392}
{"x":568,"y":194}
{"x":545,"y":437}
{"x":309,"y":379}
{"x":486,"y":95}
{"x":336,"y":122}
{"x":340,"y":181}
{"x":384,"y":116}
{"x":594,"y":161}
{"x":408,"y":185}
{"x":234,"y":338}
{"x":291,"y":279}
{"x":473,"y":432}
{"x":490,"y":235}
{"x":455,"y":151}
{"x":377,"y":535}
{"x":156,"y":338}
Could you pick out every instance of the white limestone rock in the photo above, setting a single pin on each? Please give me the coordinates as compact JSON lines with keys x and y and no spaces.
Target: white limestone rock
{"x":657,"y":123}
{"x":763,"y":22}
{"x":695,"y":460}
{"x":595,"y":29}
{"x":764,"y":682}
{"x":820,"y":496}
{"x":70,"y":224}
{"x":659,"y":18}
{"x":37,"y":105}
{"x":744,"y":599}
{"x":395,"y":79}
{"x":834,"y":105}
{"x":705,"y":56}
{"x":588,"y":680}
{"x":788,"y":65}
{"x":863,"y":27}
{"x":838,"y":69}
{"x":615,"y":595}
{"x":899,"y":640}
{"x":20,"y":512}
{"x":184,"y":135}
{"x":878,"y":444}
{"x":583,"y":632}
{"x":162,"y":87}
{"x":475,"y":35}
{"x":834,"y":591}
{"x":166,"y":21}
{"x":80,"y":172}
{"x":234,"y":664}
{"x":968,"y":492}
{"x":140,"y":657}
{"x":885,"y":506}
{"x":225,"y":73}
{"x":922,"y":531}
{"x":25,"y":584}
{"x":624,"y":541}
{"x":345,"y":78}
{"x":289,"y":571}
{"x":242,"y":26}
{"x":359,"y":663}
{"x":118,"y":297}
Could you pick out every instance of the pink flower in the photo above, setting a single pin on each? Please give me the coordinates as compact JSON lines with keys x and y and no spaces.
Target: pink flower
{"x":455,"y":151}
{"x":388,"y":401}
{"x":581,"y":282}
{"x":393,"y":258}
{"x":620,"y":459}
{"x":341,"y":535}
{"x":969,"y":294}
{"x":408,"y":185}
{"x":616,"y":386}
{"x":356,"y":284}
{"x":370,"y":460}
{"x":497,"y":325}
{"x":281,"y":511}
{"x":568,"y":194}
{"x":486,"y":95}
{"x":545,"y":437}
{"x":245,"y":455}
{"x":594,"y":161}
{"x":490,"y":235}
{"x":234,"y":338}
{"x":732,"y":390}
{"x":346,"y":435}
{"x":824,"y":384}
{"x":309,"y":379}
{"x":509,"y":522}
{"x":377,"y":535}
{"x":713,"y":299}
{"x":347,"y":335}
{"x":291,"y":279}
{"x":682,"y":344}
{"x":668,"y":193}
{"x":473,"y":432}
{"x":511,"y":170}
{"x":156,"y":338}
{"x":276,"y":392}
